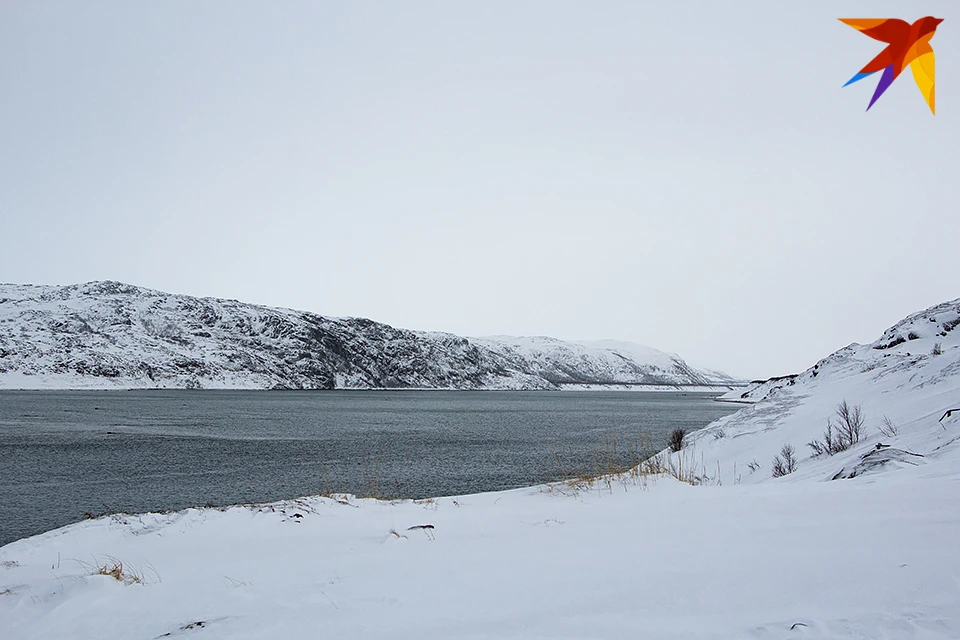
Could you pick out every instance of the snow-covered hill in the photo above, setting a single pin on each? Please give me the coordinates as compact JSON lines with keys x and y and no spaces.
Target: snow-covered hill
{"x":605,"y":362}
{"x":904,"y":383}
{"x":114,"y":335}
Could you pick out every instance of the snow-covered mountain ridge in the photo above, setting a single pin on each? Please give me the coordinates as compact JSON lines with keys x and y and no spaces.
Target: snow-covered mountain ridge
{"x":115,"y":335}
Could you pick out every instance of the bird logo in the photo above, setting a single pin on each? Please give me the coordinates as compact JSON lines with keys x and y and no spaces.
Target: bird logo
{"x":907,"y":44}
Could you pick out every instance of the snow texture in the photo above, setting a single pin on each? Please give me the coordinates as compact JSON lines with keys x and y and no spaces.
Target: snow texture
{"x":110,"y":335}
{"x":871,"y":554}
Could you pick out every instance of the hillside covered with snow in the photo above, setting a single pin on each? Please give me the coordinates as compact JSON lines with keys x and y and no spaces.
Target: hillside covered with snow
{"x":114,"y":335}
{"x":904,"y":385}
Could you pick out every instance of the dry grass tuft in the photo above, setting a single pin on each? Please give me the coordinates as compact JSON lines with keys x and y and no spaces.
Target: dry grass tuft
{"x":115,"y":569}
{"x":428,"y":503}
{"x":613,"y":465}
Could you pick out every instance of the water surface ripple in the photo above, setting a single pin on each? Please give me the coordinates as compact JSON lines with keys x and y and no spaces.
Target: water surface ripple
{"x":64,"y":453}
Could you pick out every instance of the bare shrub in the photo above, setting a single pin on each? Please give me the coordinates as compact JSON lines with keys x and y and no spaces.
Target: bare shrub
{"x":675,"y":439}
{"x":753,"y":465}
{"x":850,"y":427}
{"x":785,"y":462}
{"x":889,"y":430}
{"x":844,"y":434}
{"x":827,"y":445}
{"x":937,"y":349}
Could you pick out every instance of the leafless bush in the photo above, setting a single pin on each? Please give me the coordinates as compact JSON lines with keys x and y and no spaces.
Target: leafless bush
{"x":889,"y":430}
{"x":850,"y":427}
{"x":784,"y":463}
{"x":828,"y":445}
{"x":753,"y":465}
{"x":840,"y":436}
{"x":675,"y":439}
{"x":937,"y":349}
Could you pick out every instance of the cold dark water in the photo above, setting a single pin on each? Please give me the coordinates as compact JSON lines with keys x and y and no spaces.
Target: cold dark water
{"x":66,"y":453}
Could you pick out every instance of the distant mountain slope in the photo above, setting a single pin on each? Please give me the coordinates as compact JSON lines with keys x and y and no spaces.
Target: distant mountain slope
{"x":114,"y":335}
{"x":908,"y":378}
{"x":605,"y":362}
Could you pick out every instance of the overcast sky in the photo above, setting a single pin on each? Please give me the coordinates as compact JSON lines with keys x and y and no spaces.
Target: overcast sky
{"x":690,"y":176}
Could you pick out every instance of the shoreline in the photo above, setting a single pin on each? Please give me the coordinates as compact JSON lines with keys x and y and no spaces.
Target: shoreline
{"x":288,"y":568}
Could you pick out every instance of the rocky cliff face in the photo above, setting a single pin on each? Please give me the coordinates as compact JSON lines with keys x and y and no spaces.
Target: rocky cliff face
{"x":114,"y":335}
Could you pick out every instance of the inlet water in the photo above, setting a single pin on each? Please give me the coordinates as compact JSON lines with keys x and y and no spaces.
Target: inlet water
{"x":67,"y":453}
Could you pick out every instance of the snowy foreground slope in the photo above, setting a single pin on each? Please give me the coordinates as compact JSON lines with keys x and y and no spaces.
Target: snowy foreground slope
{"x":109,"y":335}
{"x":645,"y":556}
{"x":846,"y":559}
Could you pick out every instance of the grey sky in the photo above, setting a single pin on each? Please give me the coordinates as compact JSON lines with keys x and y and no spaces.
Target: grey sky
{"x":690,"y":176}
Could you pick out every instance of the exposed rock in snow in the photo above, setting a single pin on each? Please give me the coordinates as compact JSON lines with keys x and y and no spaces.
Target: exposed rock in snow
{"x":877,"y":458}
{"x":114,"y":335}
